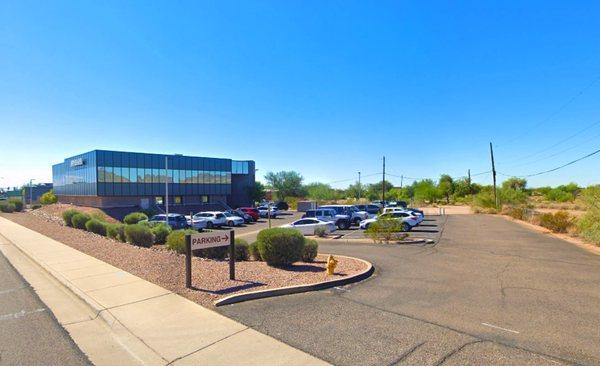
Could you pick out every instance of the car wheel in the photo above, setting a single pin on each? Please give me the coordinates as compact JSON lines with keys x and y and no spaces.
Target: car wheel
{"x":406,"y":226}
{"x":209,"y":225}
{"x":367,"y":226}
{"x":357,"y":221}
{"x":230,"y":224}
{"x":344,"y":225}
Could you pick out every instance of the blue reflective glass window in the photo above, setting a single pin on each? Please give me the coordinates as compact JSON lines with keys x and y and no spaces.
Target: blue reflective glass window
{"x":155,"y":176}
{"x":109,"y":176}
{"x":101,"y":171}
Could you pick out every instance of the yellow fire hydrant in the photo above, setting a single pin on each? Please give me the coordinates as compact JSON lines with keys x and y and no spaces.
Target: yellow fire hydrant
{"x":331,"y":263}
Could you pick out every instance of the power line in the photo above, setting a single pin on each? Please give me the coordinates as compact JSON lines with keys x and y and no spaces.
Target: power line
{"x":555,"y":112}
{"x":554,"y":169}
{"x":561,"y":141}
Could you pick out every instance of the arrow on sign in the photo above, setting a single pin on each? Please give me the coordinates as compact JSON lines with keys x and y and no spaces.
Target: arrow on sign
{"x":226,"y":237}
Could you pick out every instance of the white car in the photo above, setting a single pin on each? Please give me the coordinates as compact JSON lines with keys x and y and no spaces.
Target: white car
{"x":308,"y":226}
{"x":355,"y":215}
{"x":197,"y":223}
{"x":263,"y":211}
{"x":213,"y":218}
{"x":233,"y":220}
{"x":419,"y":216}
{"x":408,"y":221}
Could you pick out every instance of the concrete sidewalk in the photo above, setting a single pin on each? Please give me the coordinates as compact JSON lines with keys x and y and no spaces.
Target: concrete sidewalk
{"x":152,"y":325}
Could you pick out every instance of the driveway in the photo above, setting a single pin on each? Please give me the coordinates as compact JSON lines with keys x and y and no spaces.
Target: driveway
{"x":489,"y":291}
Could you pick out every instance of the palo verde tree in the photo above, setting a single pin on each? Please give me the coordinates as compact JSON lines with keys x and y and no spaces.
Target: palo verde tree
{"x":320,"y":191}
{"x":446,"y":186}
{"x":287,"y":184}
{"x":514,"y":183}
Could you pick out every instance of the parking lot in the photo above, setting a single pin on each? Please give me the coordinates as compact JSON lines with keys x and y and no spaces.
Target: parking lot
{"x":249,"y":231}
{"x":431,"y":228}
{"x":489,"y":291}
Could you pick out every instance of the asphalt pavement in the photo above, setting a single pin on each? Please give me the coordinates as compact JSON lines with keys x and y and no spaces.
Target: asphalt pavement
{"x":29,"y":333}
{"x":489,"y":291}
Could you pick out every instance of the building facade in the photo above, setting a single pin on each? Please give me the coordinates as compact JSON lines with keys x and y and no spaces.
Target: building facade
{"x":107,"y":179}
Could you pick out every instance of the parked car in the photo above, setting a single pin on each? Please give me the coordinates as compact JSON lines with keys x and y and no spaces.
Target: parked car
{"x":213,"y":218}
{"x":233,"y":220}
{"x":253,"y":212}
{"x":370,"y":208}
{"x":408,"y":220}
{"x":264,"y":211}
{"x":356,"y":216}
{"x":327,"y":214}
{"x":417,"y":213}
{"x":176,"y":221}
{"x":197,"y":223}
{"x":247,"y":218}
{"x":308,"y":226}
{"x":396,"y":204}
{"x":282,"y":206}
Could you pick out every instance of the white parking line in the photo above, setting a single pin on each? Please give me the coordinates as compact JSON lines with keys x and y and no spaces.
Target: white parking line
{"x":497,"y":327}
{"x":20,"y":314}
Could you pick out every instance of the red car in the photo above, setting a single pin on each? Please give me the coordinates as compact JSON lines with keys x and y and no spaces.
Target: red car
{"x":252,"y":212}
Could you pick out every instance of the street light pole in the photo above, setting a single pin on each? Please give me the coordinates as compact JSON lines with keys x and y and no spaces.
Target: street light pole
{"x":31,"y":192}
{"x":359,"y":187}
{"x":167,"y":187}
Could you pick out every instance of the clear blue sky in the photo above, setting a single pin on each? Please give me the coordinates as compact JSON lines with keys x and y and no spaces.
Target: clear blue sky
{"x":323,"y":87}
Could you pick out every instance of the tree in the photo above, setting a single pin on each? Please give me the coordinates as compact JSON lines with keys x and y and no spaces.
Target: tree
{"x":320,"y":191}
{"x":446,"y":186}
{"x":398,"y":194}
{"x":462,"y":188}
{"x":514,"y":183}
{"x":256,"y":192}
{"x":426,"y":191}
{"x":287,"y":184}
{"x":356,"y":190}
{"x":374,"y":190}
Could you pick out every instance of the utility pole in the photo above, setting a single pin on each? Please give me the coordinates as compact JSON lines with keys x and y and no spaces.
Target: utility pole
{"x":469,"y":180}
{"x":383,"y":184}
{"x":167,"y":187}
{"x":30,"y":192}
{"x":401,"y":180}
{"x":494,"y":175}
{"x":359,"y":187}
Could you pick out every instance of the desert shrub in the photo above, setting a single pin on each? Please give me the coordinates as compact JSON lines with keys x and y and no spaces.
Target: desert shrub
{"x":98,"y":215}
{"x":96,"y":226}
{"x":176,"y":240}
{"x":67,"y":215}
{"x":116,"y":231}
{"x":280,"y":246}
{"x":589,"y":228}
{"x":558,"y":222}
{"x":385,"y":230}
{"x":518,"y":213}
{"x":48,"y":198}
{"x":558,"y":195}
{"x":134,"y":218}
{"x":161,"y":231}
{"x":7,"y":207}
{"x":139,"y":235}
{"x":36,"y":206}
{"x":253,"y":251}
{"x":212,"y":253}
{"x":320,"y":232}
{"x":79,"y":219}
{"x":241,"y":250}
{"x":17,"y":203}
{"x":311,"y":248}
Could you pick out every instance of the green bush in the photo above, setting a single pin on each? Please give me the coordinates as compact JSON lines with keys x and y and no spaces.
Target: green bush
{"x":139,"y":235}
{"x":48,"y":198}
{"x":518,"y":213}
{"x":589,"y":228}
{"x":559,"y":222}
{"x":134,"y":218}
{"x":96,"y":226}
{"x":7,"y":207}
{"x":385,"y":230}
{"x":242,"y":252}
{"x":280,"y":246}
{"x":212,"y":253}
{"x":17,"y":203}
{"x":116,"y":231}
{"x":311,"y":249}
{"x":253,"y":251}
{"x":161,"y":231}
{"x":67,"y":215}
{"x":78,"y":220}
{"x":320,"y":232}
{"x":176,"y":240}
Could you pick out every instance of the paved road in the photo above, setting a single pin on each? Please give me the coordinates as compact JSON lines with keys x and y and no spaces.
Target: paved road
{"x":430,"y":228}
{"x":29,"y":333}
{"x":489,"y":292}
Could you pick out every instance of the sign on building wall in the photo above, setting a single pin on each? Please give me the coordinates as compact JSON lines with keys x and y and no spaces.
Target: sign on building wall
{"x":77,"y":162}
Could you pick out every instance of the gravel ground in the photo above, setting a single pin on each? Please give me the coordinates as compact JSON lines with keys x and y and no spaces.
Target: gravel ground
{"x":167,"y":268}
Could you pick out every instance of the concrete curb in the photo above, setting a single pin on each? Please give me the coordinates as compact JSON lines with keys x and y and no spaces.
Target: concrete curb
{"x":261,"y":294}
